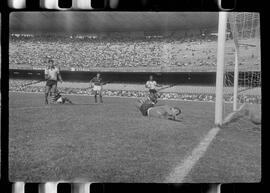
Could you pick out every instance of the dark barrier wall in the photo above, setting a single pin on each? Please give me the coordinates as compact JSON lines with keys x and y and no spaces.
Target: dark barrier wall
{"x":122,"y":77}
{"x":185,"y":78}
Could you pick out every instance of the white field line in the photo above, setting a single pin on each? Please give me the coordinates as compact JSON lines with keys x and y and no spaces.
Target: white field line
{"x":230,"y":116}
{"x":183,"y":169}
{"x":125,"y":97}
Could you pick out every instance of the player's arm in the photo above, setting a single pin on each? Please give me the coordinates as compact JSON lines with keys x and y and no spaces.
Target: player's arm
{"x":46,"y":74}
{"x":175,"y":118}
{"x":59,"y":76}
{"x":147,"y":85}
{"x":91,"y":84}
{"x":159,"y":85}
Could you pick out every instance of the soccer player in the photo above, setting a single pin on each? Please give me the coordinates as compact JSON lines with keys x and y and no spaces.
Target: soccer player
{"x":52,"y":75}
{"x":148,"y":108}
{"x":58,"y":98}
{"x":96,"y":84}
{"x":151,"y":84}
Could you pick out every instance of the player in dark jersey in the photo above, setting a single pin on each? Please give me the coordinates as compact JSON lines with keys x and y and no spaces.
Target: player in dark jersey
{"x":96,"y":84}
{"x":59,"y":99}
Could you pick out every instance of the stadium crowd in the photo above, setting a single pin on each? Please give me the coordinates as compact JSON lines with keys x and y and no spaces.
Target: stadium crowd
{"x":79,"y":52}
{"x":18,"y":86}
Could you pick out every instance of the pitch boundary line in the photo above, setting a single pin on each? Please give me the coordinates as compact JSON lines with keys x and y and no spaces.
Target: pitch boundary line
{"x":181,"y":171}
{"x":124,"y":97}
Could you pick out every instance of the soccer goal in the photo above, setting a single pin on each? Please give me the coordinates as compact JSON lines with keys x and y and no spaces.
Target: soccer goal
{"x":238,"y":62}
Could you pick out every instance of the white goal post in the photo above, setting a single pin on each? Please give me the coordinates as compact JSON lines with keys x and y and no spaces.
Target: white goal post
{"x":238,"y":75}
{"x":220,"y":67}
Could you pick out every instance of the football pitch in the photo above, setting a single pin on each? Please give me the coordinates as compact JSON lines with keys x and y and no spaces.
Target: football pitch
{"x":113,"y":142}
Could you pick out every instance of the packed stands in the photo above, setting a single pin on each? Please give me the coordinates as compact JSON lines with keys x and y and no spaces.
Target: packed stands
{"x":148,"y":53}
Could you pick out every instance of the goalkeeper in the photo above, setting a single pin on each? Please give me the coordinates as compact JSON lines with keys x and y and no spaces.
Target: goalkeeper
{"x":149,"y":108}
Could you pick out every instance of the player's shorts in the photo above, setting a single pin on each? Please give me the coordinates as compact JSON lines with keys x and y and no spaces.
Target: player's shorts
{"x":51,"y":83}
{"x":154,"y":91}
{"x":97,"y":88}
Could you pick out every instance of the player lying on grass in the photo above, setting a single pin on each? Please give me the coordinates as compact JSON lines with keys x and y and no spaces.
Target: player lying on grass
{"x":149,"y":108}
{"x":59,"y":99}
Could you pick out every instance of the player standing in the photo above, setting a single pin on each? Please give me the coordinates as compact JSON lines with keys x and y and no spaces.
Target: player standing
{"x":96,"y":84}
{"x":151,"y":84}
{"x":52,"y":75}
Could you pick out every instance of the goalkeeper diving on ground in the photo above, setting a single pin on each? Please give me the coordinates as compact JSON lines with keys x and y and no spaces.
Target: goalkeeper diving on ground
{"x":148,"y":107}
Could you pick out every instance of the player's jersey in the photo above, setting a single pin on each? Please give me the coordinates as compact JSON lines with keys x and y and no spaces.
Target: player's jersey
{"x":146,"y":104}
{"x":96,"y":81}
{"x":52,"y":73}
{"x":161,"y":111}
{"x":151,"y":84}
{"x":151,"y":97}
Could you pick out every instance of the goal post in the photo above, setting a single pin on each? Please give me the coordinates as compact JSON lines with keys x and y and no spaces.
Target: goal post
{"x":220,"y":67}
{"x":236,"y":77}
{"x":238,"y":72}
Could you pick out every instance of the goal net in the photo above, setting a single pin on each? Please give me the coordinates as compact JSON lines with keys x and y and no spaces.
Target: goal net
{"x":242,"y":61}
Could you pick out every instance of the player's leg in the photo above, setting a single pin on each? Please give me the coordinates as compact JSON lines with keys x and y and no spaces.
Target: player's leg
{"x":53,"y":90}
{"x":100,"y":96}
{"x":95,"y":89}
{"x":95,"y":95}
{"x":138,"y":103}
{"x":66,"y":100}
{"x":47,"y":91}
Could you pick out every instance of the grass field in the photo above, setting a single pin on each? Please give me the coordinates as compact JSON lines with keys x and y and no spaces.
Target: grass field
{"x":113,"y":142}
